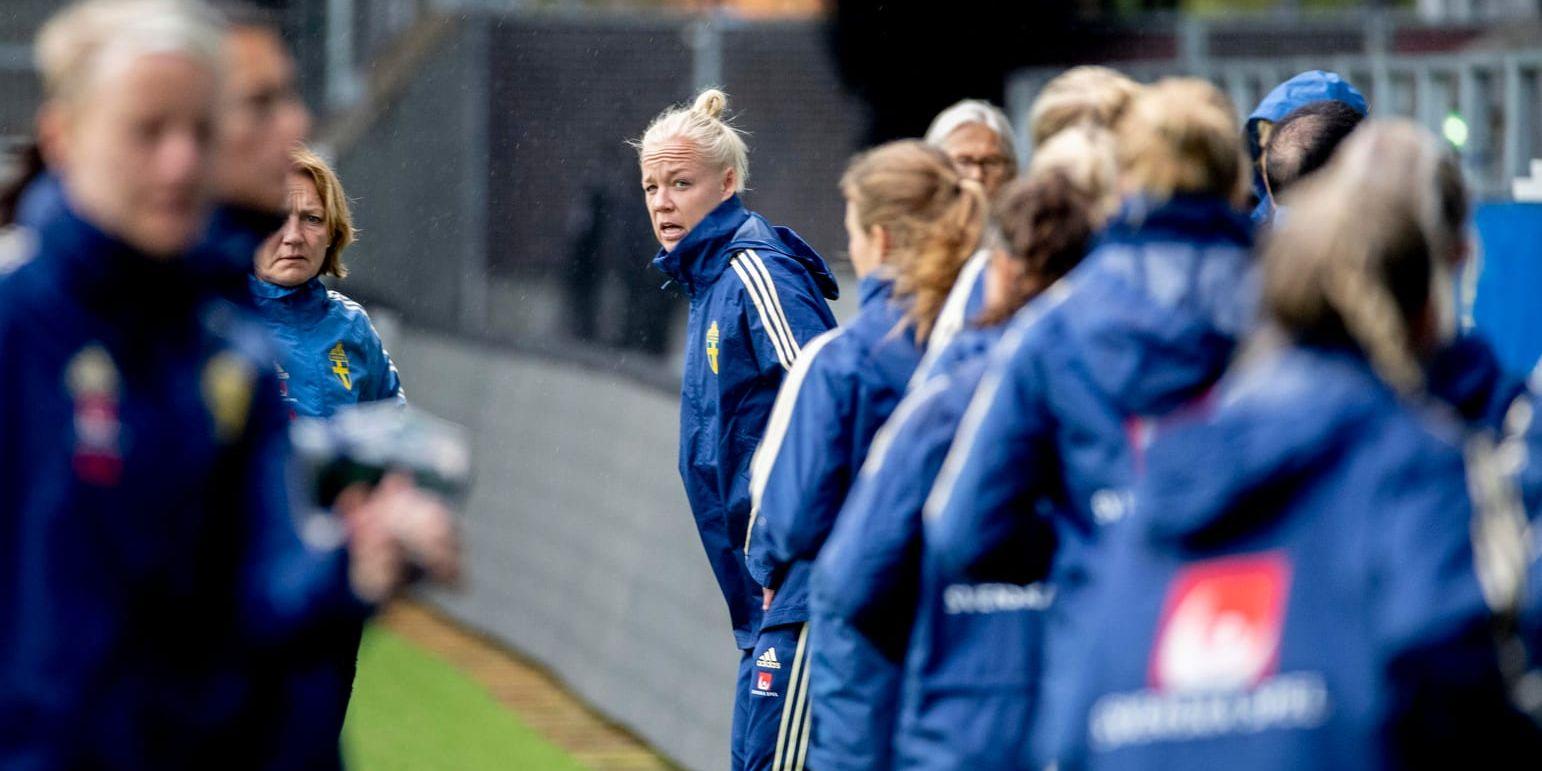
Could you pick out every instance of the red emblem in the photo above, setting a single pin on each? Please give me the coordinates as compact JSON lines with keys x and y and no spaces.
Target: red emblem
{"x":1221,"y":624}
{"x":762,"y":681}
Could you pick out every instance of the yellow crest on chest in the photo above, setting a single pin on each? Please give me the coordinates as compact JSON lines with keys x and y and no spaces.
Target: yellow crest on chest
{"x":712,"y":348}
{"x":227,"y":393}
{"x":339,"y":359}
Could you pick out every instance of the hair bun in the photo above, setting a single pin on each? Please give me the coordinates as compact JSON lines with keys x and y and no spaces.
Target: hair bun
{"x":711,"y":103}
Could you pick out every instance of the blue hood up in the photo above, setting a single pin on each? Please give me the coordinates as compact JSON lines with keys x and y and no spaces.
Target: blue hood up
{"x":1303,"y":89}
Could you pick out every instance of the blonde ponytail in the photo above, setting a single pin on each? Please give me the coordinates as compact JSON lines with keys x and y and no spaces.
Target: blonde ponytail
{"x":933,"y":216}
{"x":1360,"y":254}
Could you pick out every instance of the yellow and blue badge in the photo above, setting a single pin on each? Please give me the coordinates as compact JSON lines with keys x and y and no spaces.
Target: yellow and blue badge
{"x":339,"y":359}
{"x":712,"y":347}
{"x":227,"y":392}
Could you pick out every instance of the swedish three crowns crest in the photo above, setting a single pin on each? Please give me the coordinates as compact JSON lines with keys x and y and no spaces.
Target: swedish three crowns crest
{"x":339,"y":359}
{"x":712,"y":346}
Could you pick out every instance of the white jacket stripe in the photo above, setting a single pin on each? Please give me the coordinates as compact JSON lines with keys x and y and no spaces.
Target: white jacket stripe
{"x":752,"y":288}
{"x":776,"y":428}
{"x":780,"y":315}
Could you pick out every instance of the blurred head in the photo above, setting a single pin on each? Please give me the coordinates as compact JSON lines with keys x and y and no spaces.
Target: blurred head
{"x":909,"y":209}
{"x":1086,"y":94}
{"x":977,"y":137}
{"x":1085,"y":155}
{"x":1366,"y":256}
{"x":131,"y":92}
{"x":1046,"y":221}
{"x":319,"y":227}
{"x":1302,"y":142}
{"x":263,"y":118}
{"x":1180,"y":137}
{"x":691,"y":160}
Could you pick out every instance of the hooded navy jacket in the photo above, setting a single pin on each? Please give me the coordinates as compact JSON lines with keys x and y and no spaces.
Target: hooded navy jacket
{"x":757,"y":296}
{"x":1142,"y":327}
{"x":949,"y":641}
{"x":148,"y":554}
{"x":330,"y":355}
{"x":824,"y":421}
{"x":1296,"y":589}
{"x":835,"y":400}
{"x":1303,"y":89}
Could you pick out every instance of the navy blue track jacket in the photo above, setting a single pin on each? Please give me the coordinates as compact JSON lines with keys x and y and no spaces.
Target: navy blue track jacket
{"x":757,"y":297}
{"x":1141,"y":328}
{"x":148,"y":554}
{"x":1296,"y":589}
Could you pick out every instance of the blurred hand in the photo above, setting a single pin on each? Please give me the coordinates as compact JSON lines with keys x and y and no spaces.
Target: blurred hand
{"x":391,"y":527}
{"x":375,"y":562}
{"x":767,"y":595}
{"x":422,"y":526}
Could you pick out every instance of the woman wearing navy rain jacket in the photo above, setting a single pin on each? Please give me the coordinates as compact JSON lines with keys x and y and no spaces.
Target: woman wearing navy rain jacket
{"x":912,"y":221}
{"x":757,"y":297}
{"x":1139,"y":330}
{"x":330,"y":355}
{"x":1299,"y":586}
{"x":148,"y":556}
{"x":967,"y":648}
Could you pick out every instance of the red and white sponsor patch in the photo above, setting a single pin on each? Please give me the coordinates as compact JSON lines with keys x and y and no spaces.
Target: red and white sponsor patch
{"x":1221,"y":624}
{"x":762,"y":681}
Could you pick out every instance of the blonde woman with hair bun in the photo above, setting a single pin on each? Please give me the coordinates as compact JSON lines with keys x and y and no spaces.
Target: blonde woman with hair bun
{"x":912,"y":219}
{"x":1321,"y":511}
{"x":1140,"y":330}
{"x":758,"y":297}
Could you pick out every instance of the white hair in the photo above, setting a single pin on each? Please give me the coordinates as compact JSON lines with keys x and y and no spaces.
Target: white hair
{"x":77,"y":44}
{"x":973,"y":111}
{"x":702,"y":125}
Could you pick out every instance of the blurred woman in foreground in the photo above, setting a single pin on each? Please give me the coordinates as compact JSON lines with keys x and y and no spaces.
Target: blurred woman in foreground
{"x":148,"y":555}
{"x":1301,"y":566}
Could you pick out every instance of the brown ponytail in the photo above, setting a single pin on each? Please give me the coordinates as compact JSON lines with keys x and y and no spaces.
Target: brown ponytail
{"x":933,"y":218}
{"x":1046,"y":222}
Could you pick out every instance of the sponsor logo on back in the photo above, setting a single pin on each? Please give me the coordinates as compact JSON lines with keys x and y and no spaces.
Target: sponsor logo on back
{"x":1214,"y":666}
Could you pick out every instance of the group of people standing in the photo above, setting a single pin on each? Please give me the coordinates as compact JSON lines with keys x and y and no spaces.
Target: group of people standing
{"x":1104,"y":471}
{"x":169,"y":597}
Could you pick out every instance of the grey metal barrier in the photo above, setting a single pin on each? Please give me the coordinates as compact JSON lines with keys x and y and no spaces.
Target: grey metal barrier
{"x":1485,"y":102}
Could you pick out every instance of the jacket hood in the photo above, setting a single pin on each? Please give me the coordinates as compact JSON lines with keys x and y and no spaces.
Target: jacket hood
{"x":1305,"y":88}
{"x":702,"y":256}
{"x":1279,"y":420}
{"x":1181,"y":293}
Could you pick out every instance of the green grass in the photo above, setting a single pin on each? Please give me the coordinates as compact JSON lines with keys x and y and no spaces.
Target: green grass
{"x":411,"y":710}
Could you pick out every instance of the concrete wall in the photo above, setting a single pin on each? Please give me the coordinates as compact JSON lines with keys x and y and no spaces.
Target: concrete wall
{"x":581,"y":551}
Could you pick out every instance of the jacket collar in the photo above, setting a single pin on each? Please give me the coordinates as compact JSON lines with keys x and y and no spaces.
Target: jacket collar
{"x":699,"y":259}
{"x":230,"y":244}
{"x":107,"y":276}
{"x":1188,"y":217}
{"x":305,"y":304}
{"x":877,"y":286}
